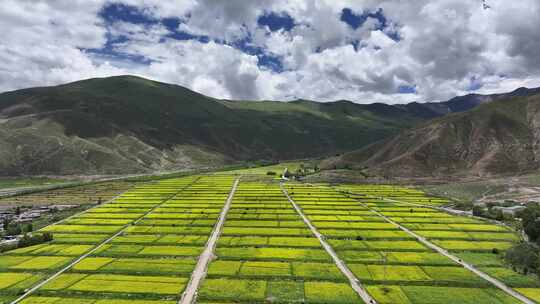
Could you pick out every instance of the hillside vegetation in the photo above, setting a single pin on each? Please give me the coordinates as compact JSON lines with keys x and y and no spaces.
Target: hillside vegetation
{"x":501,"y":137}
{"x":128,"y":124}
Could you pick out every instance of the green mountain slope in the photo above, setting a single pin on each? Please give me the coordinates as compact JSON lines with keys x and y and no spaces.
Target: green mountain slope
{"x":128,"y":124}
{"x":500,"y":137}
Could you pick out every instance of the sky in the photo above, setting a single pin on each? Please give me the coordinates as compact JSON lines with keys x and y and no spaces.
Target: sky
{"x":391,"y":51}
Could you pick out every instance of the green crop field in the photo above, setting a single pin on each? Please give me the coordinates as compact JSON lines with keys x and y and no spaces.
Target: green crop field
{"x":145,"y":246}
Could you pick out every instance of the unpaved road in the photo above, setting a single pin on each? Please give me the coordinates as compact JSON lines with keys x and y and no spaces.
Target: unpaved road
{"x":190,"y":294}
{"x":97,"y":247}
{"x":355,"y":283}
{"x":457,"y":260}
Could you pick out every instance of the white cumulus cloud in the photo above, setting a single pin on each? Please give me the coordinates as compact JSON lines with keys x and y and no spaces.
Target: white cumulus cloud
{"x":445,"y":47}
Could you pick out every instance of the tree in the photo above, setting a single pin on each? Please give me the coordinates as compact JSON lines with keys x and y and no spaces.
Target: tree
{"x":532,"y":229}
{"x":14,"y":229}
{"x":530,"y":218}
{"x":478,"y":211}
{"x":522,"y":256}
{"x":29,"y":240}
{"x":496,"y":214}
{"x":28,"y":228}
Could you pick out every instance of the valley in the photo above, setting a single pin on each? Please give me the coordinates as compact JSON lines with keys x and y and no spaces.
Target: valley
{"x":199,"y":206}
{"x":272,"y":241}
{"x":270,"y":152}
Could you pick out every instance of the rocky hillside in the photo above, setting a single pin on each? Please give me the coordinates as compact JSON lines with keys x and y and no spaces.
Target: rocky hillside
{"x":500,"y":137}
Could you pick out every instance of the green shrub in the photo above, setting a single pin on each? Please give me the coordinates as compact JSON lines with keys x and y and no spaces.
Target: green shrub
{"x":30,"y":240}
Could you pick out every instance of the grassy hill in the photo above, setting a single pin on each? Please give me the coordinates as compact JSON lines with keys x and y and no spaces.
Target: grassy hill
{"x":129,"y":124}
{"x":500,"y":137}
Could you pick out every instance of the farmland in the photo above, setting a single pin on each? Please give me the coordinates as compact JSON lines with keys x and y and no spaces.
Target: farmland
{"x":79,"y":195}
{"x":289,"y":243}
{"x":266,"y":253}
{"x":7,"y":183}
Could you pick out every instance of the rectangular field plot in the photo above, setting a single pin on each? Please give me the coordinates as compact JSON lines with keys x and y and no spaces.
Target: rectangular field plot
{"x":110,"y":283}
{"x":158,"y":266}
{"x":396,"y":258}
{"x":52,"y":249}
{"x":512,"y":278}
{"x":87,"y":229}
{"x":5,"y":299}
{"x":393,"y":192}
{"x":33,"y":263}
{"x":158,"y":214}
{"x":140,"y":250}
{"x":473,"y":246}
{"x":70,"y":300}
{"x":378,"y":245}
{"x":274,"y":269}
{"x":456,"y":227}
{"x":266,"y":231}
{"x":269,"y":241}
{"x":468,"y":236}
{"x":393,"y":294}
{"x":100,"y":215}
{"x":259,"y":291}
{"x":531,"y":293}
{"x":18,"y":281}
{"x":482,"y":259}
{"x":101,"y":221}
{"x":365,"y":234}
{"x":79,"y":238}
{"x":168,"y":239}
{"x":441,"y":220}
{"x":184,"y":230}
{"x":417,"y":275}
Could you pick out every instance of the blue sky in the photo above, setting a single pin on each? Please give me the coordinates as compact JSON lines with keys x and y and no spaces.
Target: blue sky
{"x":272,"y":21}
{"x":364,"y":51}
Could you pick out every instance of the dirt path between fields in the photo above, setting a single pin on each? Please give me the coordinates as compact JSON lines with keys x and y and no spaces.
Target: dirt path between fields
{"x":454,"y":258}
{"x":355,"y":283}
{"x":98,"y":246}
{"x":190,"y":294}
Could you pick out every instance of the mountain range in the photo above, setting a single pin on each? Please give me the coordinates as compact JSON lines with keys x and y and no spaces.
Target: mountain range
{"x":128,"y":124}
{"x":500,"y":137}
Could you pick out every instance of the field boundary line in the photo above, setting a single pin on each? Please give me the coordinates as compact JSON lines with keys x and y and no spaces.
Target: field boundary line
{"x":438,"y":208}
{"x":87,"y":210}
{"x":99,"y":245}
{"x":454,"y":258}
{"x":199,"y":273}
{"x":449,"y":211}
{"x":355,"y":283}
